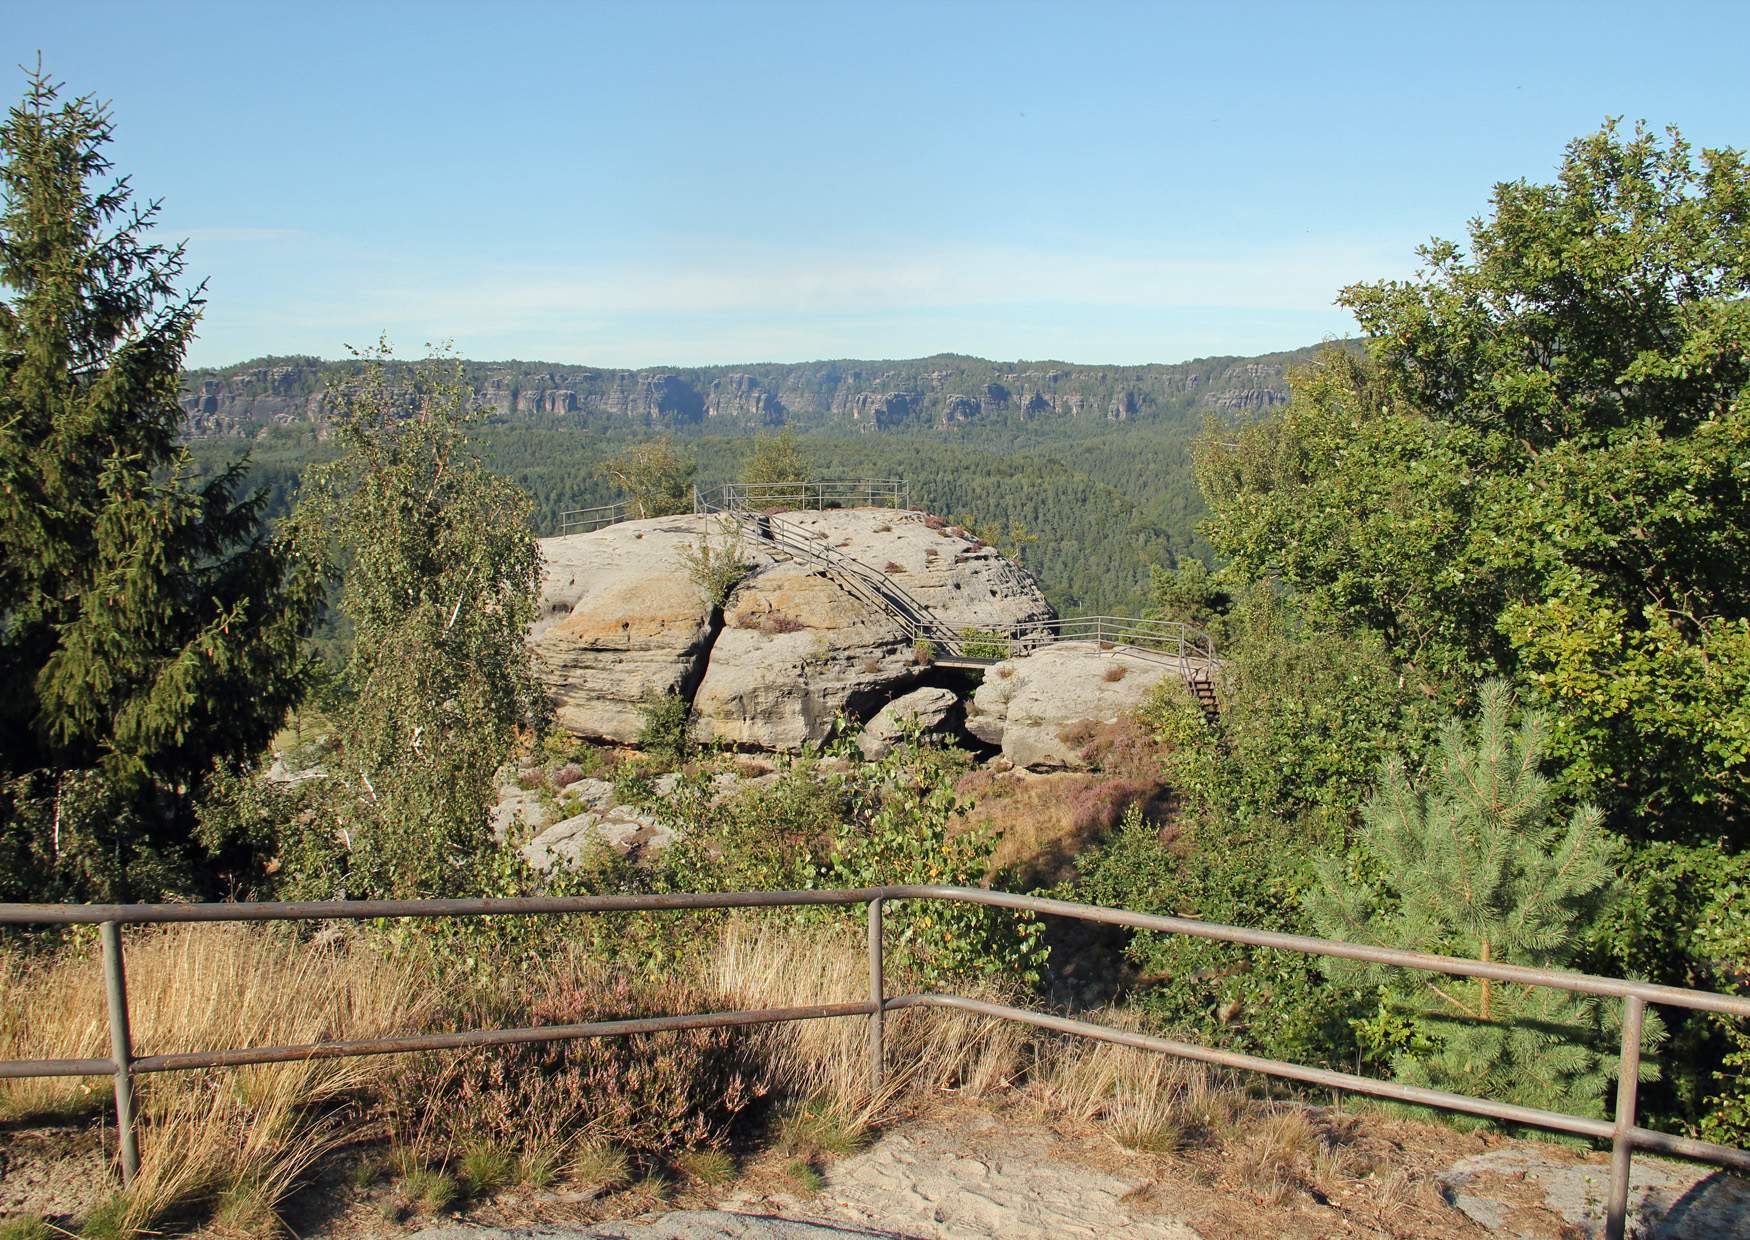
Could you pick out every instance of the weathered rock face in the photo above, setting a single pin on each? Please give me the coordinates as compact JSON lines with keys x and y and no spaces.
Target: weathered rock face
{"x":245,"y":400}
{"x":1024,"y":703}
{"x":775,"y":686}
{"x":621,"y":621}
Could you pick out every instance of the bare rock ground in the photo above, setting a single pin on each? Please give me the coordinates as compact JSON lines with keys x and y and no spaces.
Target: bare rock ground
{"x":1531,"y":1193}
{"x":920,"y":1182}
{"x":977,"y":1176}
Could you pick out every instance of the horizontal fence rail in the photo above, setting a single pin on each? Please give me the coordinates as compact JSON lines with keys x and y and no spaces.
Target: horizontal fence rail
{"x":588,"y":520}
{"x":1622,"y":1132}
{"x":818,"y":494}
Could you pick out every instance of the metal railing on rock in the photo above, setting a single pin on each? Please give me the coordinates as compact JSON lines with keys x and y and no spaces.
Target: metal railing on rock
{"x":818,"y":494}
{"x":1169,"y":641}
{"x":1624,"y":1135}
{"x":588,"y":520}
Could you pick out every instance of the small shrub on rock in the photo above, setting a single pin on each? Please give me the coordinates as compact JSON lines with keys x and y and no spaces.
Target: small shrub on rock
{"x":776,"y":622}
{"x":667,"y":730}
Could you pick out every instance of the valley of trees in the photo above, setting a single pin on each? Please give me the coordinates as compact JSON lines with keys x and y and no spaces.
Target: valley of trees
{"x":1482,"y":591}
{"x":1104,"y":505}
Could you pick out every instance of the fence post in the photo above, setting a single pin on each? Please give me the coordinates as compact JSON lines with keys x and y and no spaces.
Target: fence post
{"x":1628,"y":1081}
{"x":121,"y":1049}
{"x":877,"y":996}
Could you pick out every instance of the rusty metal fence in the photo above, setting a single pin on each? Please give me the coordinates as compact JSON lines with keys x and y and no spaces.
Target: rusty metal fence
{"x":1623,"y":1133}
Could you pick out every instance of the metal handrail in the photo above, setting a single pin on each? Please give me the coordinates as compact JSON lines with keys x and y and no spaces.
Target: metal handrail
{"x":819,"y":493}
{"x":1624,"y":1134}
{"x":588,"y":520}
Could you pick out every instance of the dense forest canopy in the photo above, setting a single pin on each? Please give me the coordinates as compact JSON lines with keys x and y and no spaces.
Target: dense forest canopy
{"x":1104,"y":505}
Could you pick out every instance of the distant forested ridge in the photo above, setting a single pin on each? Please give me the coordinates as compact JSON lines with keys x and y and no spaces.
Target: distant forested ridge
{"x":944,"y":391}
{"x":1091,"y":462}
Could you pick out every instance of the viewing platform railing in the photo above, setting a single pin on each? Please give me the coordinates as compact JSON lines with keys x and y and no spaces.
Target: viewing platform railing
{"x":588,"y":520}
{"x":1624,"y":1135}
{"x":819,"y":494}
{"x":1169,"y":641}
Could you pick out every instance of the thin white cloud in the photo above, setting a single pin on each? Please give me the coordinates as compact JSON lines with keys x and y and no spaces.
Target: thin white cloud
{"x":719,"y":307}
{"x":503,"y":298}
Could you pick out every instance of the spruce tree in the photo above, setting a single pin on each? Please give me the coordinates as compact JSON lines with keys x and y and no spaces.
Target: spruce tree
{"x":1481,"y":864}
{"x":149,"y":627}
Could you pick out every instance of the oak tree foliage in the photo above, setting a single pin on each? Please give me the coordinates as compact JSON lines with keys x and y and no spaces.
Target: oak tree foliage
{"x":1540,"y":471}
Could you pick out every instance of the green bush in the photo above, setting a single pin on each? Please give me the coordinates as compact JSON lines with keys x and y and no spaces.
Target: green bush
{"x":983,"y":644}
{"x":1259,"y":1000}
{"x":667,"y":728}
{"x":717,"y":565}
{"x":874,"y":824}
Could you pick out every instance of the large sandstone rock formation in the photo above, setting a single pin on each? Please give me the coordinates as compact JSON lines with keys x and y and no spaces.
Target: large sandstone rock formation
{"x":621,"y":620}
{"x":1024,"y":704}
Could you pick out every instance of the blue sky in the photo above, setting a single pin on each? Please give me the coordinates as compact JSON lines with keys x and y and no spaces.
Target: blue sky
{"x":629,"y":185}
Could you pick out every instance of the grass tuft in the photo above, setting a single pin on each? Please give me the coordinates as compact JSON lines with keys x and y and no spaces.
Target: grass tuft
{"x":430,"y":1190}
{"x":245,"y":1210}
{"x":818,"y":1129}
{"x":599,"y":1168}
{"x":24,"y":1229}
{"x":711,"y":1167}
{"x":805,"y":1176}
{"x":485,"y":1167}
{"x":539,"y":1169}
{"x":109,"y":1220}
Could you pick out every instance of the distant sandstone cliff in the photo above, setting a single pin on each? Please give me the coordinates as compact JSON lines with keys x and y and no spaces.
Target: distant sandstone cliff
{"x":940,"y":391}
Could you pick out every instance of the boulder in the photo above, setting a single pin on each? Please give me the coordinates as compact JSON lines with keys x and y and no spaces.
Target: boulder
{"x":928,"y":707}
{"x":621,"y":621}
{"x":626,"y":830}
{"x":1025,"y":703}
{"x":518,"y":806}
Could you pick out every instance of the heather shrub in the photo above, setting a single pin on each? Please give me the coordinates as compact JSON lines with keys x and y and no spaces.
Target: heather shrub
{"x":776,"y":622}
{"x":1098,"y":805}
{"x":647,"y":1093}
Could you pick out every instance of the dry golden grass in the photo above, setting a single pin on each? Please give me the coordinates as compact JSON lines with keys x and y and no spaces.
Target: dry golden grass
{"x":1147,"y":1102}
{"x":240,"y":1135}
{"x":928,"y":1051}
{"x":1035,"y":822}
